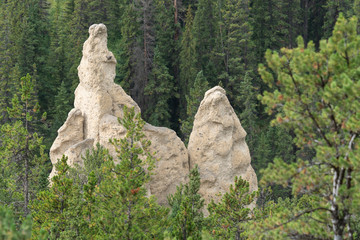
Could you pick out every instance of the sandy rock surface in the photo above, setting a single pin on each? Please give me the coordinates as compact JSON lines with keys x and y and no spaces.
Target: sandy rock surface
{"x":217,"y":145}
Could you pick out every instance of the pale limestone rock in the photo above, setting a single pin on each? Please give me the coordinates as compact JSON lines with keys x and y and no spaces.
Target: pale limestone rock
{"x":172,"y":165}
{"x":98,"y":104}
{"x":75,"y":152}
{"x":217,"y":145}
{"x":69,"y":134}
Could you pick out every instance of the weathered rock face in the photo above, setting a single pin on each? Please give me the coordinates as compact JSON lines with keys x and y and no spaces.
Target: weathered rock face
{"x":217,"y":145}
{"x":98,"y":104}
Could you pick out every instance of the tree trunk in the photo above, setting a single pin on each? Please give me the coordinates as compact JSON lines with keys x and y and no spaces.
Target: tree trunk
{"x":176,"y":35}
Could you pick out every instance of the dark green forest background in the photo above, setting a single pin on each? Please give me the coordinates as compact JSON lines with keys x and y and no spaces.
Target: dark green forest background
{"x":163,"y":48}
{"x":169,"y":52}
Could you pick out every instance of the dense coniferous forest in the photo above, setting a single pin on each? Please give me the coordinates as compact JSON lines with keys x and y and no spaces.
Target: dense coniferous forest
{"x":291,"y":70}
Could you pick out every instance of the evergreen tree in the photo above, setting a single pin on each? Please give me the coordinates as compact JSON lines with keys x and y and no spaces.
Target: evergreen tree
{"x":125,"y":212}
{"x":161,"y":90}
{"x":7,"y":59}
{"x":228,"y":217}
{"x":165,"y":31}
{"x":193,"y":102}
{"x":237,"y":46}
{"x":333,"y":9}
{"x":57,"y":211}
{"x":8,"y":228}
{"x":61,"y":109}
{"x":188,"y":62}
{"x":60,"y":84}
{"x":137,"y":49}
{"x":290,"y":22}
{"x":186,"y":215}
{"x":249,"y":114}
{"x":313,"y":19}
{"x":205,"y":29}
{"x":317,"y":98}
{"x":22,"y":152}
{"x":167,"y":43}
{"x":271,"y":224}
{"x":24,"y":46}
{"x":129,"y":49}
{"x":264,"y":23}
{"x":93,"y":160}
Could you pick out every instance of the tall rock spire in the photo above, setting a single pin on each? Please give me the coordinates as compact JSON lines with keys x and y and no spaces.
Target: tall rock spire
{"x":217,"y":145}
{"x":98,"y":104}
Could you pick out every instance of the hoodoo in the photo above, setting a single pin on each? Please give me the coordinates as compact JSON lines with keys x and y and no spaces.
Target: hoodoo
{"x":98,"y":104}
{"x":217,"y":143}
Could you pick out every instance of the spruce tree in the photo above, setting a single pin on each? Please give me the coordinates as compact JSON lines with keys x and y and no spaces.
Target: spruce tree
{"x":161,"y":90}
{"x":186,"y":204}
{"x":333,"y":9}
{"x":22,"y":151}
{"x":8,"y":228}
{"x":193,"y":100}
{"x":229,"y":216}
{"x":60,"y":110}
{"x":129,"y":49}
{"x":125,"y":211}
{"x":237,"y":46}
{"x":205,"y":29}
{"x":7,"y":60}
{"x":188,"y":63}
{"x":57,"y":211}
{"x":248,"y":110}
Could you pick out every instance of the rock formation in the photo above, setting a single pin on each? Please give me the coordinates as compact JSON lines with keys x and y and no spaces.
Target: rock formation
{"x":98,"y":104}
{"x":217,"y":143}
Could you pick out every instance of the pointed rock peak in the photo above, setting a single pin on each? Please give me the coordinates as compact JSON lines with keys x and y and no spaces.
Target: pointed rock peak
{"x":217,"y":145}
{"x":97,"y":66}
{"x":214,"y":90}
{"x":99,"y":102}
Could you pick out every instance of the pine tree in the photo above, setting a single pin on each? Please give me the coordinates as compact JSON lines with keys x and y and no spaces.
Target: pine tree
{"x":247,"y":98}
{"x":167,"y":43}
{"x":61,"y":109}
{"x":205,"y":29}
{"x":317,"y":99}
{"x":24,"y":44}
{"x":188,"y":63}
{"x":270,"y":222}
{"x":165,"y":31}
{"x":57,"y":211}
{"x":193,"y":102}
{"x":7,"y":59}
{"x":313,"y":19}
{"x":125,"y":212}
{"x":8,"y":228}
{"x":129,"y":49}
{"x":264,"y":23}
{"x":237,"y":46}
{"x":161,"y":90}
{"x":93,"y":160}
{"x":333,"y":9}
{"x":22,"y":152}
{"x":186,"y":217}
{"x":59,"y":85}
{"x":228,"y":217}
